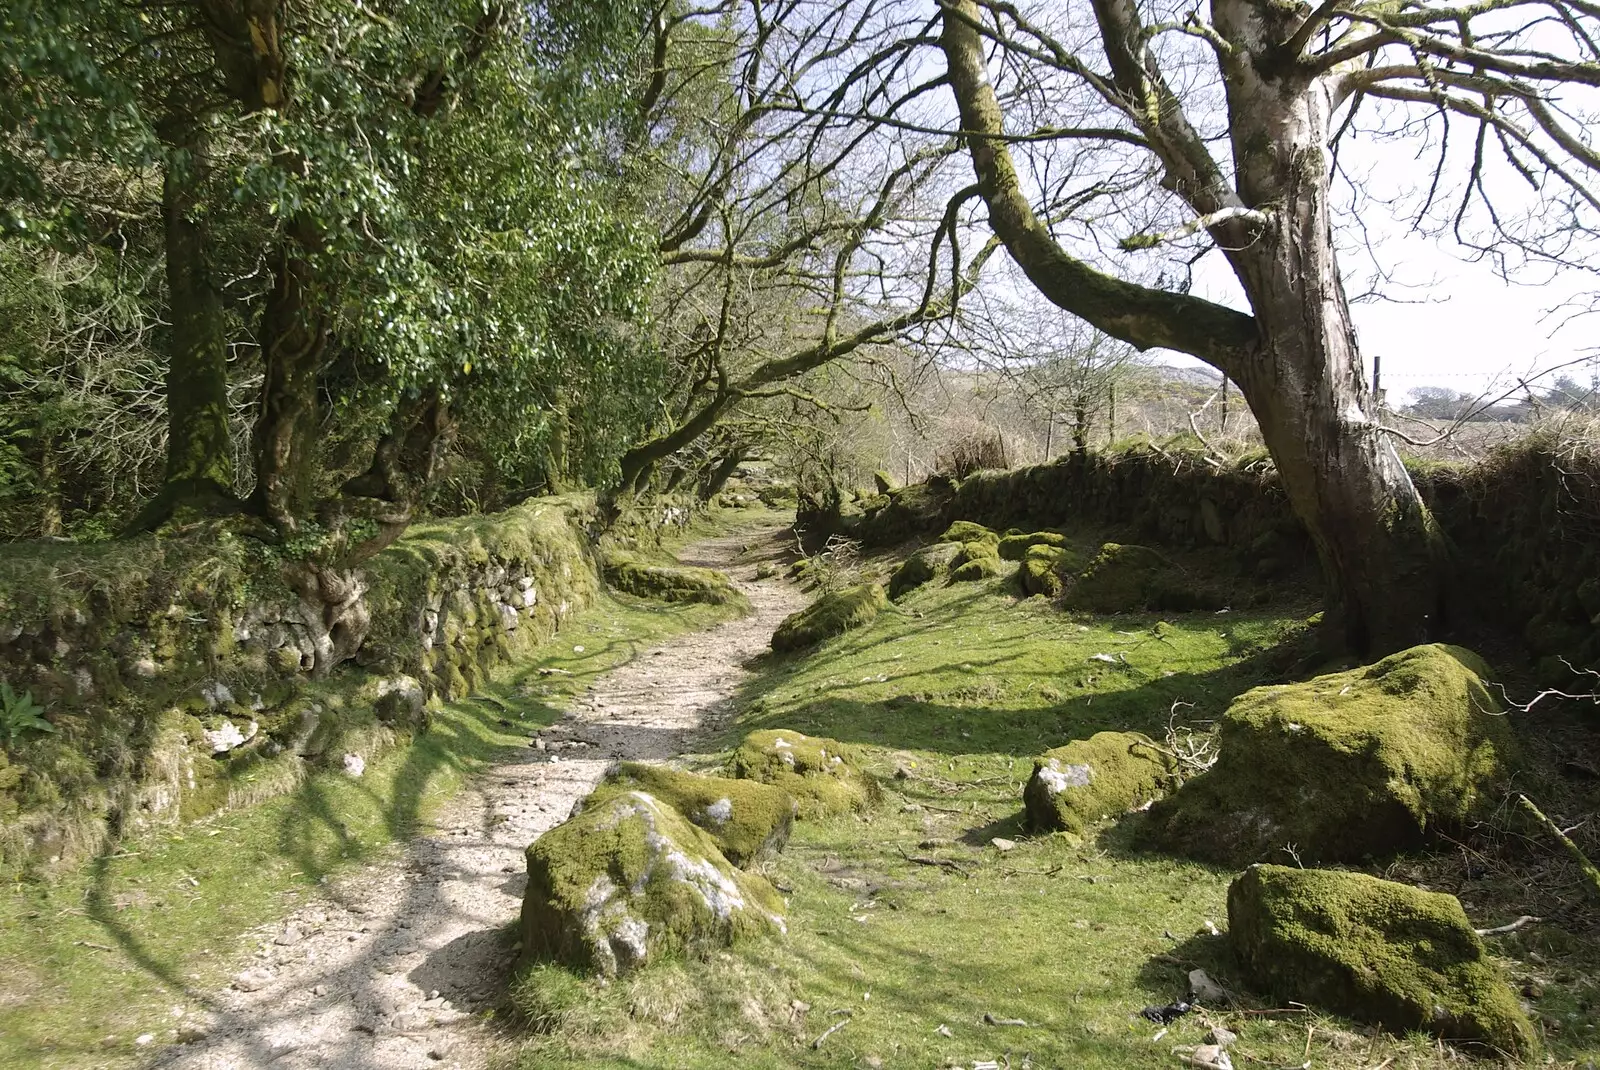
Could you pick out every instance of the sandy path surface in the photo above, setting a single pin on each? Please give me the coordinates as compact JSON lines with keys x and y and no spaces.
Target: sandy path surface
{"x":389,"y":968}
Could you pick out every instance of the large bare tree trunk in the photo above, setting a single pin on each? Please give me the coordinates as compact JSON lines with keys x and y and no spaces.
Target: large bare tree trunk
{"x":1295,"y":359}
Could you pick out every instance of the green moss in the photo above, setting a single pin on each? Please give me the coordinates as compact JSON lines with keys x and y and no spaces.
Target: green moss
{"x":1373,"y":949}
{"x":1015,"y":547}
{"x":823,"y":775}
{"x":833,"y":614}
{"x":630,"y":879}
{"x":1358,"y":763}
{"x":1124,"y":578}
{"x":924,"y":566}
{"x":978,"y":560}
{"x":964,"y":531}
{"x":746,"y":818}
{"x":633,"y":575}
{"x":1046,"y":569}
{"x":1088,"y":779}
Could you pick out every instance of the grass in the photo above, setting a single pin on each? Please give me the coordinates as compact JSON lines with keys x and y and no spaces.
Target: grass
{"x":114,"y":950}
{"x":951,"y":694}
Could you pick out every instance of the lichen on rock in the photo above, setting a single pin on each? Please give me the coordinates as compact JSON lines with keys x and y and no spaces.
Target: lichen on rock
{"x":1376,"y":950}
{"x":822,"y":775}
{"x":629,"y":879}
{"x":1088,"y":779}
{"x":746,"y":818}
{"x":924,"y":566}
{"x":1354,"y":764}
{"x":835,"y":613}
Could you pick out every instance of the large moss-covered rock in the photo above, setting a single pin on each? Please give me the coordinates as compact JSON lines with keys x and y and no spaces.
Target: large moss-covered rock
{"x":978,"y":560}
{"x":1124,"y":578}
{"x":634,"y":575}
{"x":823,"y":775}
{"x":1047,"y":569}
{"x":833,"y":614}
{"x":1358,"y":763}
{"x":630,"y":878}
{"x":1015,"y":547}
{"x":1088,"y":779}
{"x":1376,"y":950}
{"x":746,"y":818}
{"x":924,"y":566}
{"x":965,"y":531}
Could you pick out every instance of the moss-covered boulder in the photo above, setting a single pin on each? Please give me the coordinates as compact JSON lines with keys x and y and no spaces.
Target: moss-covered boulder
{"x":746,"y":818}
{"x":1375,"y":950}
{"x":630,"y":878}
{"x":1014,"y":547}
{"x":833,"y":614}
{"x":1346,"y":766}
{"x":1124,"y":578}
{"x":631,"y":574}
{"x":1047,"y":569}
{"x":924,"y":566}
{"x":1088,"y":779}
{"x":823,"y":775}
{"x":965,"y":531}
{"x":978,"y":560}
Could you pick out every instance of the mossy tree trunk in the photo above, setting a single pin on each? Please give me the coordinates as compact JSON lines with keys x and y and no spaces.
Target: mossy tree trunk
{"x":293,"y":341}
{"x":199,"y":469}
{"x":1294,"y":358}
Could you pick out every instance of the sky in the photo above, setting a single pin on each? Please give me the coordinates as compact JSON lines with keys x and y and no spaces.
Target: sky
{"x":1456,"y":323}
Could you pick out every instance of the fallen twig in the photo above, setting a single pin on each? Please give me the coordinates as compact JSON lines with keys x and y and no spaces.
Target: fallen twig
{"x":942,"y":863}
{"x":990,"y":1019}
{"x":1586,"y":868}
{"x":95,"y":946}
{"x":1510,"y":927}
{"x":816,"y":1045}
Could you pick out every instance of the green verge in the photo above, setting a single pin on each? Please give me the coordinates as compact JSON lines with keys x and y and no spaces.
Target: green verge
{"x":103,"y":955}
{"x":947,"y":704}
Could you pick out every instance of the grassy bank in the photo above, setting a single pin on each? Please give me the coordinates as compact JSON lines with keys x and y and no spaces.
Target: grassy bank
{"x":910,"y":925}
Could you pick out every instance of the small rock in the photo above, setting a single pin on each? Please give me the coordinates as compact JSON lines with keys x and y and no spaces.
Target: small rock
{"x":944,"y":1031}
{"x":144,"y":1038}
{"x":1205,"y":990}
{"x":319,"y":990}
{"x":441,"y":1049}
{"x":354,"y":764}
{"x":1222,"y":1037}
{"x":253,"y":980}
{"x":412,"y":1022}
{"x":1003,"y":844}
{"x":433,"y":993}
{"x":290,"y":936}
{"x":1210,"y":1057}
{"x":191,"y":1034}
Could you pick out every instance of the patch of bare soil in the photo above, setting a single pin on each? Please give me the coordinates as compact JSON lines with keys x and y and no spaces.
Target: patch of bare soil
{"x":390,"y":968}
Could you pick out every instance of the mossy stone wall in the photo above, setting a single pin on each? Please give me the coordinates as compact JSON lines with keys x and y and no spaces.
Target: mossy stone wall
{"x":185,"y":673}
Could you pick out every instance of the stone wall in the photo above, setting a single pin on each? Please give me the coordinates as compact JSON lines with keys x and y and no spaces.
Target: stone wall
{"x":1525,"y":524}
{"x":184,"y":674}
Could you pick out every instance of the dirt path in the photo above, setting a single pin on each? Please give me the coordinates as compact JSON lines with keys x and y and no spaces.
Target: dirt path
{"x":388,"y":969}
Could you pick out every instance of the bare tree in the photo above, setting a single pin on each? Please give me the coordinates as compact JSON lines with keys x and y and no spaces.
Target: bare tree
{"x":798,"y":224}
{"x":1275,"y":86}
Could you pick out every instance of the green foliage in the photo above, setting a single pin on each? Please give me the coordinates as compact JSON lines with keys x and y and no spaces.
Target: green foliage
{"x":1377,"y":950}
{"x":978,"y":560}
{"x":19,"y":714}
{"x":1047,"y":569}
{"x":1016,"y":547}
{"x":630,"y":573}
